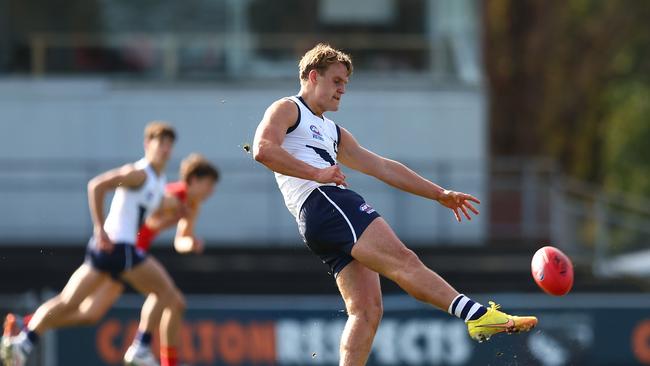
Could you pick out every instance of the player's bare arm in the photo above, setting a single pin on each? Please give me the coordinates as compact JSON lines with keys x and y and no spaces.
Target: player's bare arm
{"x":267,"y":146}
{"x":185,"y":241}
{"x":396,"y":174}
{"x":125,"y":176}
{"x":167,"y":215}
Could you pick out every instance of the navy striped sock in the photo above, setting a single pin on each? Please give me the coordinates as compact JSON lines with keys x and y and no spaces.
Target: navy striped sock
{"x":466,"y":308}
{"x":33,"y":337}
{"x":143,"y":338}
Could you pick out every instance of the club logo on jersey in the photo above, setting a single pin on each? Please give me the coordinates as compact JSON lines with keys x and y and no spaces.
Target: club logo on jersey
{"x":366,"y":208}
{"x":315,"y":133}
{"x":149,"y":196}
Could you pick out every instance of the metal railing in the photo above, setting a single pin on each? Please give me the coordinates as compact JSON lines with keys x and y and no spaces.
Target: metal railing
{"x":611,"y":230}
{"x":238,"y":55}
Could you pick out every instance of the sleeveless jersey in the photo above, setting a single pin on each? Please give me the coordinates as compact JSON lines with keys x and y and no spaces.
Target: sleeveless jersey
{"x":146,"y":235}
{"x":313,"y":140}
{"x":130,"y":207}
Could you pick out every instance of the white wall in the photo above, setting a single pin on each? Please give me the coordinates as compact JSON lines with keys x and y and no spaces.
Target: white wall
{"x":56,"y":134}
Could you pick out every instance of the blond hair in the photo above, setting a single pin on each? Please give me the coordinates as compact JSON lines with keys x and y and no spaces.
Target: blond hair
{"x":320,"y":58}
{"x":159,"y":129}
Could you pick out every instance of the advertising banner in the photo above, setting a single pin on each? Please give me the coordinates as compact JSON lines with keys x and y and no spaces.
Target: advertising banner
{"x":297,"y":331}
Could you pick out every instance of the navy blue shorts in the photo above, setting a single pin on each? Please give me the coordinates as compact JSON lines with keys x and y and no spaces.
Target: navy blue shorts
{"x":123,"y":258}
{"x":331,"y":221}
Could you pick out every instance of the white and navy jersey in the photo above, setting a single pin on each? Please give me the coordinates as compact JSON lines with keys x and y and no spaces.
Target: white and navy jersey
{"x":130,"y":207}
{"x":314,"y":140}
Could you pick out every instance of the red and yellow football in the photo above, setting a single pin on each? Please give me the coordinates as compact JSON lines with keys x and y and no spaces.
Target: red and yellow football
{"x":552,"y":270}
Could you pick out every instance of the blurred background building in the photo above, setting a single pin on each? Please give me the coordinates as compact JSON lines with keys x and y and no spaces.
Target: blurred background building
{"x":538,"y":109}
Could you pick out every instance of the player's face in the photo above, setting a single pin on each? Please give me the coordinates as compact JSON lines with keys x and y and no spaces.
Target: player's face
{"x":201,"y":188}
{"x":159,"y":149}
{"x":331,"y":86}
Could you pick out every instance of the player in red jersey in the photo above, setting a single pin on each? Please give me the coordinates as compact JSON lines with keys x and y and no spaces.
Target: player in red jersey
{"x":180,"y":206}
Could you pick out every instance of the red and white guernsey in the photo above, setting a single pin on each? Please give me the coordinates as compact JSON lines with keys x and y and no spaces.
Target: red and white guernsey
{"x":146,"y":235}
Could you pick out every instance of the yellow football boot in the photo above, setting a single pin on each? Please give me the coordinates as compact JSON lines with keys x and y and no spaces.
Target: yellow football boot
{"x":495,"y":321}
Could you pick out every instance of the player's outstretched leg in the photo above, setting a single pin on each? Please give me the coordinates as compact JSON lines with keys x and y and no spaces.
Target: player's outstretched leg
{"x":84,"y":281}
{"x":93,"y":308}
{"x":89,"y":312}
{"x":379,"y":249}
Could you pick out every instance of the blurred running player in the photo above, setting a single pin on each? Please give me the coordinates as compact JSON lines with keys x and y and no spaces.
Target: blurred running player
{"x":180,"y":207}
{"x":111,"y":253}
{"x":303,"y":148}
